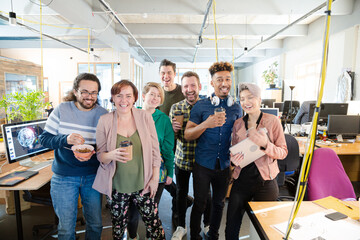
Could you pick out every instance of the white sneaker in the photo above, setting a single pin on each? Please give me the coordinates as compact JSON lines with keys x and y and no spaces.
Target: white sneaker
{"x":179,"y":233}
{"x":206,"y":229}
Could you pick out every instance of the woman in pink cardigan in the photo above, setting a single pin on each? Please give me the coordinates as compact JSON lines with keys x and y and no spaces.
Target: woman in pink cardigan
{"x":256,"y":181}
{"x":123,"y":178}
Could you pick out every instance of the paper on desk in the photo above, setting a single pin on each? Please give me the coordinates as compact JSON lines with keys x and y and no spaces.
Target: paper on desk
{"x":336,"y":204}
{"x":317,"y":225}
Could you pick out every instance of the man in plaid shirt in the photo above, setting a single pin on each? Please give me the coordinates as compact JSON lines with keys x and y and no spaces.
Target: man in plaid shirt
{"x":185,"y":151}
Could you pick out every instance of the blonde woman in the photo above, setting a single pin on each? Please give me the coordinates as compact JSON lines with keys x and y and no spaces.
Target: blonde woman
{"x":153,"y":96}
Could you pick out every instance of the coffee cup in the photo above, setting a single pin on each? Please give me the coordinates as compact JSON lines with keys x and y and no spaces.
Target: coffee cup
{"x":179,"y":116}
{"x":357,"y":139}
{"x":128,"y":147}
{"x":219,"y":111}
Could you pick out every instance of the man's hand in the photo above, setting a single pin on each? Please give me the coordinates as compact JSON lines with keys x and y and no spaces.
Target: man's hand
{"x":75,"y":139}
{"x":176,"y":125}
{"x":215,"y":121}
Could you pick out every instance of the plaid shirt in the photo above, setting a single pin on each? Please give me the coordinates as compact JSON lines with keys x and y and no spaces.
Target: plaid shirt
{"x":185,"y":150}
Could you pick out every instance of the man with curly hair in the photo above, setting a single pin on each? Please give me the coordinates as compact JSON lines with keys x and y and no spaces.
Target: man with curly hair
{"x":212,"y":159}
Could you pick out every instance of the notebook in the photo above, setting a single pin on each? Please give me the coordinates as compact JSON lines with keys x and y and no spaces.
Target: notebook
{"x":16,"y":177}
{"x":250,"y":150}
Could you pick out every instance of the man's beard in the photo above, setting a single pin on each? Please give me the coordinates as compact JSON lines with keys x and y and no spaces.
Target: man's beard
{"x":87,"y":106}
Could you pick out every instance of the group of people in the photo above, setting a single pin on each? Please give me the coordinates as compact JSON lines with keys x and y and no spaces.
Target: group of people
{"x":133,"y":182}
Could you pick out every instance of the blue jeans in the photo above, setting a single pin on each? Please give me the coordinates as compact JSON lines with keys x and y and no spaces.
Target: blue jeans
{"x":65,"y":192}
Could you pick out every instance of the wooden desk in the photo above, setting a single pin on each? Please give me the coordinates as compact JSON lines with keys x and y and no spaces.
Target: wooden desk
{"x":349,"y":154}
{"x":33,"y":183}
{"x":265,"y":214}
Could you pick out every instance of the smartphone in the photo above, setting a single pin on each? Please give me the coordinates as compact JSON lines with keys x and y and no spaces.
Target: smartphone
{"x":336,"y":216}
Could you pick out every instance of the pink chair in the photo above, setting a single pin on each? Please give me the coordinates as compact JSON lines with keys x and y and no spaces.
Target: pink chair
{"x":327,"y":177}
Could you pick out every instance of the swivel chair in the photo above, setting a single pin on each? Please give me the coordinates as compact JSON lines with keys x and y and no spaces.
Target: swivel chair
{"x":327,"y":177}
{"x":287,"y":179}
{"x":42,"y":196}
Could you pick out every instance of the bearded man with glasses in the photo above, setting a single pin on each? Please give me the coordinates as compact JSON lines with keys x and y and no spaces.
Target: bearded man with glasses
{"x":74,"y":122}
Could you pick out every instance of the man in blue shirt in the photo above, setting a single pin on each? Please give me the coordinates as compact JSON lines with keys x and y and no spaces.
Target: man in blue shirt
{"x":212,"y":159}
{"x":72,"y":123}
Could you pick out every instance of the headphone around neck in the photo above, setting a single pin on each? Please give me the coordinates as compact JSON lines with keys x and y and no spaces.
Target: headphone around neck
{"x":215,"y":100}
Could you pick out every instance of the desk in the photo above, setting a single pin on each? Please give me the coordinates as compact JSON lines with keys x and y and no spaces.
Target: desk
{"x":33,"y":183}
{"x":265,"y":214}
{"x":349,"y":154}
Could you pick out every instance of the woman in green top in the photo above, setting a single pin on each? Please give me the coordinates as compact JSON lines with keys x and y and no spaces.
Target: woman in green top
{"x":153,"y":96}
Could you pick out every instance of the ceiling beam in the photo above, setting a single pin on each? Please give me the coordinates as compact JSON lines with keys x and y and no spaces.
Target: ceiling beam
{"x":246,"y":7}
{"x":160,"y":43}
{"x":258,"y":30}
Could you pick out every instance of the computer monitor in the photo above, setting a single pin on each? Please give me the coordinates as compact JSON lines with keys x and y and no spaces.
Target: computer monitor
{"x":346,"y":125}
{"x":327,"y":109}
{"x":353,"y":108}
{"x":22,"y":140}
{"x":286,"y":108}
{"x":278,"y":105}
{"x":268,"y":102}
{"x":273,"y":111}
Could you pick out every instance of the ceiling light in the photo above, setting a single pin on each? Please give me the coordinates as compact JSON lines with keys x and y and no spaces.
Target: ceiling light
{"x":245,"y":50}
{"x":12,"y":18}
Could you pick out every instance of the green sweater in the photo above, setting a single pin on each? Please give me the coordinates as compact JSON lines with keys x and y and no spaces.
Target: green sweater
{"x":165,"y":134}
{"x":170,"y":98}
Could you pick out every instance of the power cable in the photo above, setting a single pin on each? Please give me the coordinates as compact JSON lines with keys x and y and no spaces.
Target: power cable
{"x":43,"y":5}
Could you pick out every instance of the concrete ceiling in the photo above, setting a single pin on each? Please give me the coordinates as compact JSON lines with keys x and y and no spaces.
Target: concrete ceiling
{"x":164,"y":29}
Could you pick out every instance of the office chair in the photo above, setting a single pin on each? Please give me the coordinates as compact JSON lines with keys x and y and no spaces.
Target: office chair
{"x":327,"y":177}
{"x":42,"y":196}
{"x":287,"y":178}
{"x":288,"y":112}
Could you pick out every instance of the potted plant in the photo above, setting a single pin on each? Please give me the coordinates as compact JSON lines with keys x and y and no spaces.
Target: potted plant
{"x":270,"y":74}
{"x":25,"y":106}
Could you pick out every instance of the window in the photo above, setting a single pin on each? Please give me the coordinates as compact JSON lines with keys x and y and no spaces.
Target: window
{"x":19,"y":83}
{"x":138,"y":81}
{"x":108,"y":74}
{"x":204,"y":76}
{"x":307,"y":75}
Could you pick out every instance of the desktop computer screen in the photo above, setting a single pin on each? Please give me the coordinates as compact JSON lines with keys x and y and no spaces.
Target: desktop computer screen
{"x":327,"y":109}
{"x":268,"y":102}
{"x":279,"y":105}
{"x":22,"y":139}
{"x":346,"y":125}
{"x":273,"y":111}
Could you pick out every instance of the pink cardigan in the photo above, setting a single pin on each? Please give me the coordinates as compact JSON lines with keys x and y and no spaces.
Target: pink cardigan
{"x":275,"y":150}
{"x":106,"y":135}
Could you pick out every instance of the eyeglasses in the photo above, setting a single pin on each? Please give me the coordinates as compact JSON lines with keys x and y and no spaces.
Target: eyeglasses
{"x":86,"y":93}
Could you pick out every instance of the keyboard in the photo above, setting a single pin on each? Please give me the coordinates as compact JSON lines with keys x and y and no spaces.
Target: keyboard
{"x":40,"y":165}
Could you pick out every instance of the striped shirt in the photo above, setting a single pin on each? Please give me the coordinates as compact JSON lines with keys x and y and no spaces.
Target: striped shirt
{"x":185,"y":150}
{"x":64,"y":120}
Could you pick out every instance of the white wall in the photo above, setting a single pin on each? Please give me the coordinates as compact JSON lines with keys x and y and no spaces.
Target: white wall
{"x":151,"y":70}
{"x":344,"y":53}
